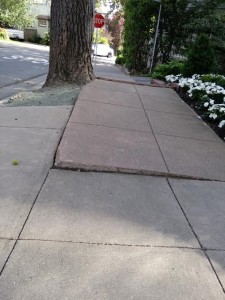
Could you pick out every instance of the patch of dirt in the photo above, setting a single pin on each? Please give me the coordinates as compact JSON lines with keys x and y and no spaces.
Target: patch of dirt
{"x":49,"y":96}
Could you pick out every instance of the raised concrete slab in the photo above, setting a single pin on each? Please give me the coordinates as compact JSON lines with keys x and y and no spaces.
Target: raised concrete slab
{"x":218,"y":260}
{"x":167,"y":106}
{"x":165,"y":93}
{"x":123,"y":98}
{"x":68,"y":271}
{"x":108,"y":208}
{"x":31,"y":146}
{"x":180,"y":125}
{"x":204,"y":204}
{"x":112,"y":86}
{"x":195,"y":158}
{"x":35,"y":117}
{"x":5,"y":248}
{"x":19,"y":187}
{"x":110,"y":71}
{"x":108,"y":115}
{"x":109,"y":149}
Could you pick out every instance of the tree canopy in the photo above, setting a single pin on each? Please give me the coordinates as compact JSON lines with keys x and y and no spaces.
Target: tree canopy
{"x":14,"y":13}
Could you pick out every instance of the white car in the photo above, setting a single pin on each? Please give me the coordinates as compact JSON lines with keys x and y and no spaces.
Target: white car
{"x":15,"y":34}
{"x":102,"y":50}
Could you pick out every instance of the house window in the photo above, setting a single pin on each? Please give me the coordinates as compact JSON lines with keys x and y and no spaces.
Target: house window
{"x":42,"y":22}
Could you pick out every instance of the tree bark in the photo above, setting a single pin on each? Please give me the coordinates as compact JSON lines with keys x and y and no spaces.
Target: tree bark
{"x":70,"y":42}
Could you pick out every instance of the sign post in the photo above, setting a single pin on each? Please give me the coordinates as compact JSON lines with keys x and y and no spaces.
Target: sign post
{"x":99,"y":22}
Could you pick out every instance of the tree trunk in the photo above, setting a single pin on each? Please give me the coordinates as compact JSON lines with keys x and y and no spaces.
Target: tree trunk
{"x":70,"y":42}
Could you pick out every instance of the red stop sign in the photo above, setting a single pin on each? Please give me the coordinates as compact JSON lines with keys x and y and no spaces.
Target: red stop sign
{"x":99,"y":21}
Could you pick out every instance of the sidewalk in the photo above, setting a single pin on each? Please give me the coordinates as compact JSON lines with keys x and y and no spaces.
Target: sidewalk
{"x":156,"y":233}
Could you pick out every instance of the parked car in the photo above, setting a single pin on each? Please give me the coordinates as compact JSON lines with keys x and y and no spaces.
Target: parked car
{"x":102,"y":50}
{"x":15,"y":34}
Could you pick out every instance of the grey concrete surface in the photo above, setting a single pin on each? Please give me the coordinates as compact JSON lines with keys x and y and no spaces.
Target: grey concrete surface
{"x":204,"y":205}
{"x":108,"y":71}
{"x":31,"y":146}
{"x":100,"y":148}
{"x":161,"y":105}
{"x":111,"y":86}
{"x":5,"y":249}
{"x":217,"y":258}
{"x":195,"y":158}
{"x":35,"y":117}
{"x":89,"y":112}
{"x":19,"y":187}
{"x":67,"y":271}
{"x":122,"y":98}
{"x":108,"y":208}
{"x":181,"y":144}
{"x":180,"y":125}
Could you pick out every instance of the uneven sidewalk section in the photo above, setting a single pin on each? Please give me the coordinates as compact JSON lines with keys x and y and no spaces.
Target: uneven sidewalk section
{"x":117,"y":236}
{"x":120,"y":127}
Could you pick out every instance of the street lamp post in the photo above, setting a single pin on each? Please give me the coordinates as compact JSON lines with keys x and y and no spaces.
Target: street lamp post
{"x":156,"y":35}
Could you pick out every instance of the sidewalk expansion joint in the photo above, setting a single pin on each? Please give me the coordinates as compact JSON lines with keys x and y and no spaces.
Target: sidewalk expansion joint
{"x":117,"y":170}
{"x":152,"y":130}
{"x":104,"y":126}
{"x":30,"y":127}
{"x":113,"y":104}
{"x":196,"y":236}
{"x":16,"y":240}
{"x":109,"y":244}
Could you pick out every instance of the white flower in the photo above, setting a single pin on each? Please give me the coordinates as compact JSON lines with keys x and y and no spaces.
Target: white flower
{"x":213,"y":116}
{"x":206,"y":104}
{"x":221,"y":124}
{"x":211,"y":101}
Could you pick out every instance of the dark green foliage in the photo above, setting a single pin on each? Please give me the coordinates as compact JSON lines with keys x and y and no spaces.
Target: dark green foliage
{"x":217,"y":79}
{"x":200,"y":57}
{"x":120,"y":60}
{"x":46,"y":39}
{"x":3,"y":34}
{"x":174,"y":67}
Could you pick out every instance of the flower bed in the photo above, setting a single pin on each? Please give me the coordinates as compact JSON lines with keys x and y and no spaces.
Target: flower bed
{"x":206,"y":95}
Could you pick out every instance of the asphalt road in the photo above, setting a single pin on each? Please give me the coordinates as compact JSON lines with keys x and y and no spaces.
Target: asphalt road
{"x":24,"y":67}
{"x":21,"y":61}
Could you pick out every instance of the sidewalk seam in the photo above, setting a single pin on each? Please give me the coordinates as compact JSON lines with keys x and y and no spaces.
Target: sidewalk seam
{"x":152,"y":130}
{"x":16,"y":240}
{"x":196,"y":236}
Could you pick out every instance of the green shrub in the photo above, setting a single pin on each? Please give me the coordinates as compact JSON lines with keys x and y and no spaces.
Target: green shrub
{"x":217,"y":79}
{"x":120,"y":60}
{"x":200,"y":57}
{"x":174,"y":67}
{"x":46,"y":39}
{"x":3,"y":34}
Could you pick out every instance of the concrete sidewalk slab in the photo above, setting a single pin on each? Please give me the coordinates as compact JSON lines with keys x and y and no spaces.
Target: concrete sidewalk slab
{"x":108,"y":115}
{"x":181,"y":126}
{"x":162,"y":105}
{"x":31,"y":146}
{"x":68,"y":271}
{"x":218,"y":260}
{"x":109,"y":71}
{"x":108,"y":208}
{"x":130,"y":99}
{"x":194,"y":158}
{"x":19,"y":187}
{"x":38,"y":117}
{"x":112,"y":86}
{"x":5,"y":248}
{"x":165,"y":93}
{"x":203,"y":202}
{"x":109,"y":149}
